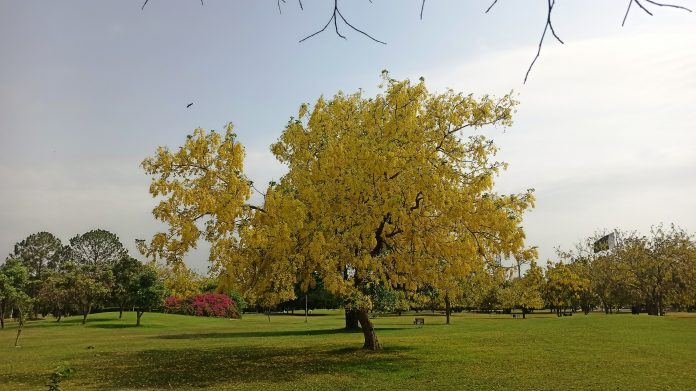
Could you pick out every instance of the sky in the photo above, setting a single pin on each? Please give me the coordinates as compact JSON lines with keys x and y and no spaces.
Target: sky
{"x":605,"y":131}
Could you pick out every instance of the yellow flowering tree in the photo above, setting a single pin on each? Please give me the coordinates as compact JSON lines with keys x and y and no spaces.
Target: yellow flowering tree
{"x":383,"y":190}
{"x":204,"y":193}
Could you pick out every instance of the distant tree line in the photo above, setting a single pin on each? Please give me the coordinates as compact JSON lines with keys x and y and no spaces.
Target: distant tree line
{"x":42,"y":276}
{"x":644,"y":273}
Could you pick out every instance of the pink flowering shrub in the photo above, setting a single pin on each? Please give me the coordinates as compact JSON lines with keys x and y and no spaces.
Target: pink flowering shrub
{"x":204,"y":304}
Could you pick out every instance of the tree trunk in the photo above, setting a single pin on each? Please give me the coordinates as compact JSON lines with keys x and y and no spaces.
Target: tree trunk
{"x":2,"y":315}
{"x":660,"y":307}
{"x":120,"y":311}
{"x":19,"y":330}
{"x":85,"y":312}
{"x":138,"y":315}
{"x":371,"y":342}
{"x":448,"y":308}
{"x":524,"y":313}
{"x":352,"y":320}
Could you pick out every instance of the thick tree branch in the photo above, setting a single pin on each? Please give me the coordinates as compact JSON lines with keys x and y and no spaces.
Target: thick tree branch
{"x":258,"y":208}
{"x":419,"y":198}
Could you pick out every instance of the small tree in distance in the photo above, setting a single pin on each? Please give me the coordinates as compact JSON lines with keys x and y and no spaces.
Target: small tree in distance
{"x":14,"y":278}
{"x":146,"y":291}
{"x":525,"y":293}
{"x":124,"y":271}
{"x":88,"y":284}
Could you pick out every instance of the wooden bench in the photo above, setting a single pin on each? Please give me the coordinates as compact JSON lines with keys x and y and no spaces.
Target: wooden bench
{"x":567,"y":314}
{"x":419,"y":322}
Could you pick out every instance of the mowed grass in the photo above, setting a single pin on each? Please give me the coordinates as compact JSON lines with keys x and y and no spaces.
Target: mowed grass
{"x":542,"y":352}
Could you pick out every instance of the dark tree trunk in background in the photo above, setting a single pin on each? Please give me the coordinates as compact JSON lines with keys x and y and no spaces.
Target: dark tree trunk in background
{"x":660,"y":306}
{"x":19,"y":330}
{"x":352,"y":320}
{"x":85,"y":312}
{"x":448,"y":308}
{"x":120,"y":311}
{"x":138,"y":315}
{"x":371,"y":342}
{"x":524,"y":313}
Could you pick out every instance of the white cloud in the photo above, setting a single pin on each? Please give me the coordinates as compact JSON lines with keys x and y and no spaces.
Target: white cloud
{"x":604,"y":131}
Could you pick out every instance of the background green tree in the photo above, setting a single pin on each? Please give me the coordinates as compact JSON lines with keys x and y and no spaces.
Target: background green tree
{"x":14,"y":278}
{"x":96,"y":247}
{"x":146,"y":291}
{"x":124,"y":271}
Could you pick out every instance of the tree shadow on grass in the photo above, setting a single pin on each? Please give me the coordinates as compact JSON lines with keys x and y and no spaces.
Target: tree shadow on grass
{"x":283,"y":333}
{"x":115,"y":326}
{"x":71,"y":321}
{"x":193,"y":368}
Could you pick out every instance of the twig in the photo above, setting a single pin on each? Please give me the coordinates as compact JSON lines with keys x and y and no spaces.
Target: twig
{"x":647,"y":11}
{"x":491,"y":6}
{"x":668,"y":5}
{"x":644,"y":9}
{"x":548,"y":25}
{"x":334,"y":18}
{"x":626,"y":15}
{"x":357,"y":29}
{"x":422,"y":6}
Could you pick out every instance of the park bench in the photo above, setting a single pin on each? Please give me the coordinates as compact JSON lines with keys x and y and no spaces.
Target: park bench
{"x":567,"y":314}
{"x":419,"y":322}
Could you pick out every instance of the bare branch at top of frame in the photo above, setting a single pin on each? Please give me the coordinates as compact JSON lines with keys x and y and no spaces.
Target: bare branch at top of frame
{"x":334,"y":18}
{"x":647,"y":11}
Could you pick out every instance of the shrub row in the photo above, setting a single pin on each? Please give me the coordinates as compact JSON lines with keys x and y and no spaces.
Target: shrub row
{"x":204,"y":304}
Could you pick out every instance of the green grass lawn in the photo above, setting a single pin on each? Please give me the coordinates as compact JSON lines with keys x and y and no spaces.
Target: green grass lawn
{"x":475,"y":352}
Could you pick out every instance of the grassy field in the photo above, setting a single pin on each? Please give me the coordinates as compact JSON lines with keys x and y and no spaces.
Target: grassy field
{"x":475,"y":352}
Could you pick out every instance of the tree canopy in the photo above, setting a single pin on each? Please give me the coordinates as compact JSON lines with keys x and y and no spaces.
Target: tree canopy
{"x":96,"y":247}
{"x":13,"y":280}
{"x":379,"y":190}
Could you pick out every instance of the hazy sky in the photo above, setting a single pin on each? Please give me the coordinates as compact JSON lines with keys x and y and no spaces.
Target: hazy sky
{"x":605,"y":133}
